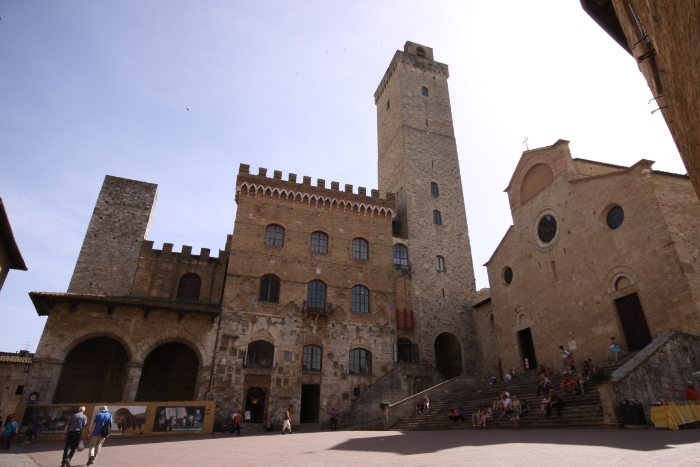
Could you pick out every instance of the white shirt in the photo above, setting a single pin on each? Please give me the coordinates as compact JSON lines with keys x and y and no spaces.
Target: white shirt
{"x":565,"y":353}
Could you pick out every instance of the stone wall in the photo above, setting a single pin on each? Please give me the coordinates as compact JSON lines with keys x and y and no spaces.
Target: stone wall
{"x":112,"y":246}
{"x":488,"y":340}
{"x":403,"y":381}
{"x":416,"y":146}
{"x":659,"y":371}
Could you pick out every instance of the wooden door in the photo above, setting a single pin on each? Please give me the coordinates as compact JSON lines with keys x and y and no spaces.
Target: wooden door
{"x":634,"y":325}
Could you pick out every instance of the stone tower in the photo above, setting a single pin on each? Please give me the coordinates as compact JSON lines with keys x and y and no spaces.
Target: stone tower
{"x":417,"y":148}
{"x":112,"y":246}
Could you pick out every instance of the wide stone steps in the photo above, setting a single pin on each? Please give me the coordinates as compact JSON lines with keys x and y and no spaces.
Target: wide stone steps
{"x":580,"y":411}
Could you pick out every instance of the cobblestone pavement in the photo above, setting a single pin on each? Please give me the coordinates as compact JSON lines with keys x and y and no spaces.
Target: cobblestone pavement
{"x":540,"y":448}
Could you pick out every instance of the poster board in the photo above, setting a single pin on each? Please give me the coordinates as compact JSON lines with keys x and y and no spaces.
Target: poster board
{"x":129,"y":419}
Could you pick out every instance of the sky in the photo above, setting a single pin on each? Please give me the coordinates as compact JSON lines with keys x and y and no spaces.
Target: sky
{"x":95,"y":88}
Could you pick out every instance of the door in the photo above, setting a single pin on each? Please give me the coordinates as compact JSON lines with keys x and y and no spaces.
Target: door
{"x":633,"y":322}
{"x":527,"y":349}
{"x":310,"y":400}
{"x":255,"y":404}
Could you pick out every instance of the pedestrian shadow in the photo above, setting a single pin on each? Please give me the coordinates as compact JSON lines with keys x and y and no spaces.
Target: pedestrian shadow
{"x":427,"y":442}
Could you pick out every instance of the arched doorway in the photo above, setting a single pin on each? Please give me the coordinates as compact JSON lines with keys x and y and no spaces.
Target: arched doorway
{"x":94,"y":371}
{"x":169,"y":374}
{"x":448,"y":355}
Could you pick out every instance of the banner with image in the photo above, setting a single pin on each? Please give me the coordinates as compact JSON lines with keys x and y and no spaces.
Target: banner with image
{"x":51,"y":420}
{"x":129,"y":420}
{"x":183,"y":418}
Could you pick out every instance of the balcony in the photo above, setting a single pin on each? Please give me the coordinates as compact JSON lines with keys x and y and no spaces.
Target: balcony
{"x":323,"y":310}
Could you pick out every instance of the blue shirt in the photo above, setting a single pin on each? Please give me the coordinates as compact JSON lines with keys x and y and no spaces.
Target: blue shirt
{"x":101,"y":419}
{"x":9,"y":428}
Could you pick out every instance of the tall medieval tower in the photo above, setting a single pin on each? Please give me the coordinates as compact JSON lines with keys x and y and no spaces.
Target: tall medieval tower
{"x":418,"y":161}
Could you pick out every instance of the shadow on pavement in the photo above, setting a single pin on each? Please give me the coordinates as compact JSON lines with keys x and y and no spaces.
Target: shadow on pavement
{"x":425,"y":442}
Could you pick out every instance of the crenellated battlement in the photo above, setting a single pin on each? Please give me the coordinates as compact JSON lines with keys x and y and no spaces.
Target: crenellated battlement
{"x":185,"y":253}
{"x":290,"y":189}
{"x":408,"y":59}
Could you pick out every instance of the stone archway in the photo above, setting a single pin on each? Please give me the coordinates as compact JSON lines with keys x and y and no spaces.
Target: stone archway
{"x":94,"y":371}
{"x":448,"y":355}
{"x":169,"y":374}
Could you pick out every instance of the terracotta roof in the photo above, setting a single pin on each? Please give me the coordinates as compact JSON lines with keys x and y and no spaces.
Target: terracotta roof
{"x":601,"y":163}
{"x":15,"y":357}
{"x":44,"y":302}
{"x":6,"y":237}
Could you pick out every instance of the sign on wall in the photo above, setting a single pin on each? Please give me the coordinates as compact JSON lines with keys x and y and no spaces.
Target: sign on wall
{"x":127,"y":420}
{"x":182,"y":418}
{"x":51,"y":419}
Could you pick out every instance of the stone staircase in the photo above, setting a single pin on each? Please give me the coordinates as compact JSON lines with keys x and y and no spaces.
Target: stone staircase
{"x":580,"y":412}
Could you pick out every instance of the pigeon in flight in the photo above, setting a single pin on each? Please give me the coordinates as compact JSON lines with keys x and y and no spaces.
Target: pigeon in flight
{"x":186,"y":108}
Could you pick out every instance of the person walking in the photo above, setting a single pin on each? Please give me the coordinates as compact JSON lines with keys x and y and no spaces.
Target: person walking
{"x":691,"y":393}
{"x":334,"y":423}
{"x":614,"y":347}
{"x":8,"y":433}
{"x":99,"y":432}
{"x":236,"y":424}
{"x":287,"y":422}
{"x":31,"y":430}
{"x":517,"y":407}
{"x":564,"y":357}
{"x":73,"y":434}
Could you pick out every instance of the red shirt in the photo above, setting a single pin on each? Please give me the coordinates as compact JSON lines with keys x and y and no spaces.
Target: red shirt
{"x":567,"y":380}
{"x":691,"y":394}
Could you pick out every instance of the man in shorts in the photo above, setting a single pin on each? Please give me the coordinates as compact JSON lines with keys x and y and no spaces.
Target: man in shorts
{"x":564,"y":357}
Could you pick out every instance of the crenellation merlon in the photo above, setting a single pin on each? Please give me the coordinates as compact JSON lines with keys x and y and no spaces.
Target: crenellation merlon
{"x":185,"y":253}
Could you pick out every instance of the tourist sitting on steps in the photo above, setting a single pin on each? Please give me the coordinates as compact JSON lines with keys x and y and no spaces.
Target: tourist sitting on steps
{"x":545,"y":384}
{"x":555,"y":402}
{"x":453,"y":416}
{"x":493,"y":379}
{"x":476,"y":416}
{"x":524,"y":408}
{"x":507,"y":406}
{"x":567,"y":385}
{"x":580,"y":383}
{"x":486,"y":416}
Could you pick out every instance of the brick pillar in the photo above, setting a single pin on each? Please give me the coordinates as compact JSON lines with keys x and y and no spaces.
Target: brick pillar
{"x":132,"y":381}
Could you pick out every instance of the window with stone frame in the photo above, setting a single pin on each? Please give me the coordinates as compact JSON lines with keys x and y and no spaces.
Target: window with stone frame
{"x":360,"y":248}
{"x":360,"y":299}
{"x":316,"y":295}
{"x":360,"y":362}
{"x":269,"y":289}
{"x":189,"y":287}
{"x":437,"y":218}
{"x":312,"y":358}
{"x":274,"y":235}
{"x":400,"y":255}
{"x":260,"y":354}
{"x":319,"y":242}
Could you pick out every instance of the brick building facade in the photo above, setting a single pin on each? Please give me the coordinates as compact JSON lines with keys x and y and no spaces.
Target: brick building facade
{"x":595,"y":250}
{"x":14,"y":369}
{"x":317,"y":294}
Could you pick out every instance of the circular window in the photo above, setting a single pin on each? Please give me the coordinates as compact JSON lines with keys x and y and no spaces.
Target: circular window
{"x":615,"y":217}
{"x":547,"y":228}
{"x":508,"y":276}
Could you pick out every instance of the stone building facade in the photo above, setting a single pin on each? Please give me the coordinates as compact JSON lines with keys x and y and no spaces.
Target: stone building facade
{"x":14,"y":369}
{"x":663,"y":36}
{"x":595,"y":250}
{"x":318,"y":293}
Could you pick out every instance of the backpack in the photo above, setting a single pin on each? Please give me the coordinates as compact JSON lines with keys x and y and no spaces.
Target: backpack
{"x":107,"y":429}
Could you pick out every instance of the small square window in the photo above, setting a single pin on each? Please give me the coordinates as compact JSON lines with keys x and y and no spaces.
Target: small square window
{"x":424,"y":90}
{"x":19,"y":391}
{"x":356,"y":391}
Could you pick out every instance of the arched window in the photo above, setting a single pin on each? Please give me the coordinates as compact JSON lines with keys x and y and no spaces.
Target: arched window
{"x":312,"y":358}
{"x":316,"y":295}
{"x":269,"y":289}
{"x":437,"y":218}
{"x":360,"y":299}
{"x":274,"y":235}
{"x":420,"y":52}
{"x":319,"y":242}
{"x":190,"y":285}
{"x":440,"y":263}
{"x":400,"y":255}
{"x":424,"y":90}
{"x":360,"y":362}
{"x":360,"y":248}
{"x":260,"y":354}
{"x":434,"y":189}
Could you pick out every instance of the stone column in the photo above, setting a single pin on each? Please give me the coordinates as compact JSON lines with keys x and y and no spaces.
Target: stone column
{"x":132,"y":381}
{"x":43,"y":379}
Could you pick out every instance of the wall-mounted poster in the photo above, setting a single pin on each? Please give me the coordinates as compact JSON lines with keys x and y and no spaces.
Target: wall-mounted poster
{"x":128,"y":420}
{"x":188,"y":418}
{"x":52,"y":420}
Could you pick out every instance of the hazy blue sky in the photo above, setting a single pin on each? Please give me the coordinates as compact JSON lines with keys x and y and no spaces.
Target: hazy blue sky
{"x":95,"y":88}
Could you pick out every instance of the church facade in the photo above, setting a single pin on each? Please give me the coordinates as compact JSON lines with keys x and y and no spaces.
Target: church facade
{"x":318,"y":293}
{"x":595,"y":251}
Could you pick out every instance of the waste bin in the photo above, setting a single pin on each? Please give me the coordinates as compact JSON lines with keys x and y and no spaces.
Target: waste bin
{"x":632,"y":413}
